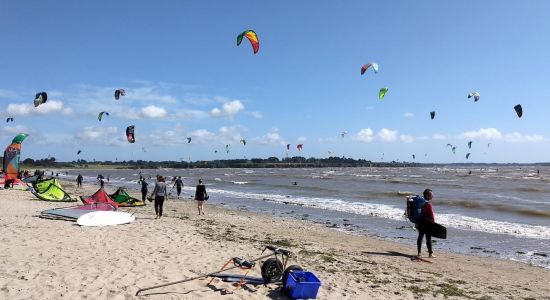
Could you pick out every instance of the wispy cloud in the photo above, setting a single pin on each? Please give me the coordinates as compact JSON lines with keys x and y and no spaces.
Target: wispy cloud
{"x":387,"y":135}
{"x":365,"y":135}
{"x":496,"y":135}
{"x":26,"y":109}
{"x":228,"y":109}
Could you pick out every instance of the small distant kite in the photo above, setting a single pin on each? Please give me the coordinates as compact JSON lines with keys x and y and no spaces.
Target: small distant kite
{"x":382,"y":93}
{"x":467,"y":155}
{"x":343,"y":134}
{"x":40,"y":98}
{"x":366,"y":66}
{"x":227,"y":148}
{"x":144,"y":149}
{"x":100,"y":116}
{"x":215,"y":151}
{"x":10,"y":119}
{"x":488,"y":144}
{"x":130,"y":134}
{"x":470,"y":145}
{"x":287,"y":146}
{"x":414,"y":157}
{"x":519,"y":110}
{"x":252,"y":37}
{"x":243,"y":141}
{"x":454,"y":149}
{"x":432,"y":114}
{"x":118,"y":93}
{"x":475,"y":95}
{"x":78,"y":152}
{"x":299,"y":147}
{"x":188,"y":140}
{"x":449,"y":145}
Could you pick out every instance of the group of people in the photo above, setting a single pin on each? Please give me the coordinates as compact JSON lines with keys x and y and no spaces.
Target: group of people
{"x":160,"y":194}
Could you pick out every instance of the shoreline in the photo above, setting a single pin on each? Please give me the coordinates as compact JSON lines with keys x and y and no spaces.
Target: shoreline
{"x":113,"y":262}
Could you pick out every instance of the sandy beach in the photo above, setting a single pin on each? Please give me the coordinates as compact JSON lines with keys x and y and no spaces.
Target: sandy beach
{"x":51,"y":259}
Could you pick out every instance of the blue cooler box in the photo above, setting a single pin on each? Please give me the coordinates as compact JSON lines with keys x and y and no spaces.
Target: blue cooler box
{"x":302,"y":285}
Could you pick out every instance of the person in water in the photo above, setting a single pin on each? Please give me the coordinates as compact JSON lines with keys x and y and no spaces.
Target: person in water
{"x":201,"y":196}
{"x":427,"y":217}
{"x":159,"y":192}
{"x":178,"y":184}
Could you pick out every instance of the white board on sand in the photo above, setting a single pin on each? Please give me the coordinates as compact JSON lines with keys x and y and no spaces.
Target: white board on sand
{"x":104,"y":218}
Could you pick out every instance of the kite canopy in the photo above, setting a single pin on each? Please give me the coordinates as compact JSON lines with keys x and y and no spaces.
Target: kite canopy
{"x":188,"y":140}
{"x":100,"y":116}
{"x":40,"y":98}
{"x":366,"y":66}
{"x":432,"y":114}
{"x":470,"y":145}
{"x":123,"y":199}
{"x":243,"y":141}
{"x":475,"y":95}
{"x":50,"y":190}
{"x":414,"y":156}
{"x":78,"y":152}
{"x":252,"y":37}
{"x":519,"y":110}
{"x":343,"y":134}
{"x":299,"y":147}
{"x":382,"y":93}
{"x":130,"y":134}
{"x":467,"y":155}
{"x":118,"y":93}
{"x":9,"y":120}
{"x":11,"y":157}
{"x":227,"y":148}
{"x":99,"y":197}
{"x":287,"y":146}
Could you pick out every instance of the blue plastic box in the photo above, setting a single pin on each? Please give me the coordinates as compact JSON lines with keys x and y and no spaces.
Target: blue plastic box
{"x":302,"y":285}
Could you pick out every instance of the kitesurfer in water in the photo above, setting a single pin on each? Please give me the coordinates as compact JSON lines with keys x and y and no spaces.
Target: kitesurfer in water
{"x":427,"y":216}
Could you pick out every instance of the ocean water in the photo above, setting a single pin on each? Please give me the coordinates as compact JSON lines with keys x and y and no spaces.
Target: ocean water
{"x":500,"y":212}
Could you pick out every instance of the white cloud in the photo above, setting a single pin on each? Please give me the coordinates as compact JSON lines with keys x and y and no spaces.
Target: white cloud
{"x":271,"y":138}
{"x":7,"y":94}
{"x":256,"y":115}
{"x":228,"y":109}
{"x":406,"y":138}
{"x":408,"y":115}
{"x":190,"y":114}
{"x":153,"y":112}
{"x":482,"y":133}
{"x":387,"y":135}
{"x":104,"y":135}
{"x":25,"y":109}
{"x":438,"y":136}
{"x":495,"y":134}
{"x":14,"y":130}
{"x":365,"y":135}
{"x":302,"y":139}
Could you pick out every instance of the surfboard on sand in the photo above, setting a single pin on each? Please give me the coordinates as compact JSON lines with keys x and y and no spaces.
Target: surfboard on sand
{"x":105,"y":218}
{"x":435,"y":230}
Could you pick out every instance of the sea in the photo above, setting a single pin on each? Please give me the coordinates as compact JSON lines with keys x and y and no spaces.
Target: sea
{"x":501,"y":212}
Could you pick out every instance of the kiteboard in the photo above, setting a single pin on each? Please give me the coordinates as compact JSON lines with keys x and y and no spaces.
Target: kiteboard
{"x":435,"y":230}
{"x":105,"y":218}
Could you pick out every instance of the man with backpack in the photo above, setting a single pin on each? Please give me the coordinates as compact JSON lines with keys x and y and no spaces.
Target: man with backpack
{"x":420,"y":211}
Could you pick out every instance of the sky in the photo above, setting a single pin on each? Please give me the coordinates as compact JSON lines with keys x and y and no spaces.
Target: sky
{"x":185,"y":76}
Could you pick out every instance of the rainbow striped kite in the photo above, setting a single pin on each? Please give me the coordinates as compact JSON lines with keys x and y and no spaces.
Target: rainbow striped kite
{"x":252,"y":37}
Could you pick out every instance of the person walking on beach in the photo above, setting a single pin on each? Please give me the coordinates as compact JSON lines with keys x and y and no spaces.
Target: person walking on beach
{"x":201,"y":196}
{"x":426,"y":216}
{"x":144,"y":189}
{"x":79,"y":180}
{"x":159,"y":192}
{"x":178,"y":184}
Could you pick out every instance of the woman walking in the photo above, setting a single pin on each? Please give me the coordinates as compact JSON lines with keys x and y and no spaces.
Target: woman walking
{"x":201,"y":196}
{"x":160,"y":195}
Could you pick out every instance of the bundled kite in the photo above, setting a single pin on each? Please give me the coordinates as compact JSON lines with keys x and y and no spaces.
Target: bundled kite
{"x":252,"y":37}
{"x":366,"y":66}
{"x":118,"y":93}
{"x":130,"y":134}
{"x":40,"y":98}
{"x":11,"y":157}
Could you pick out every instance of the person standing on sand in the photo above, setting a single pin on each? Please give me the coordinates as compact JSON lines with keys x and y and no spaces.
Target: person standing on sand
{"x":159,"y":192}
{"x":79,"y":180}
{"x":178,"y":184}
{"x":427,"y":217}
{"x":144,"y":189}
{"x":201,"y":196}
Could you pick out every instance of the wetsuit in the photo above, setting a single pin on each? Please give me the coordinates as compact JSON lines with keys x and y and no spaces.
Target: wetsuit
{"x":179,"y":185}
{"x":143,"y":190}
{"x":428,"y":217}
{"x":160,"y":193}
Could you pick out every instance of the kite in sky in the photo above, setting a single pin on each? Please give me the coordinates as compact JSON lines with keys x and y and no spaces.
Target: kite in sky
{"x":475,"y":95}
{"x":130,"y":134}
{"x":366,"y":66}
{"x":40,"y":98}
{"x":519,"y":110}
{"x":252,"y":37}
{"x":118,"y":93}
{"x":382,"y":93}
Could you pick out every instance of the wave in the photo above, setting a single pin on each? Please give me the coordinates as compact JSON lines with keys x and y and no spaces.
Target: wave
{"x":473,"y":204}
{"x":392,"y":212}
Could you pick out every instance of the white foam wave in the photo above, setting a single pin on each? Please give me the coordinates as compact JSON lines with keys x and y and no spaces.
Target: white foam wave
{"x":391,"y":212}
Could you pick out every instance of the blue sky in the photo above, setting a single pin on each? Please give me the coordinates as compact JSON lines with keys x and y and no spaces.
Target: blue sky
{"x":185,"y":77}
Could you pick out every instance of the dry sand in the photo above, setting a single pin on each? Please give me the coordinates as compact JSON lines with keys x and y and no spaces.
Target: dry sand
{"x":51,"y":259}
